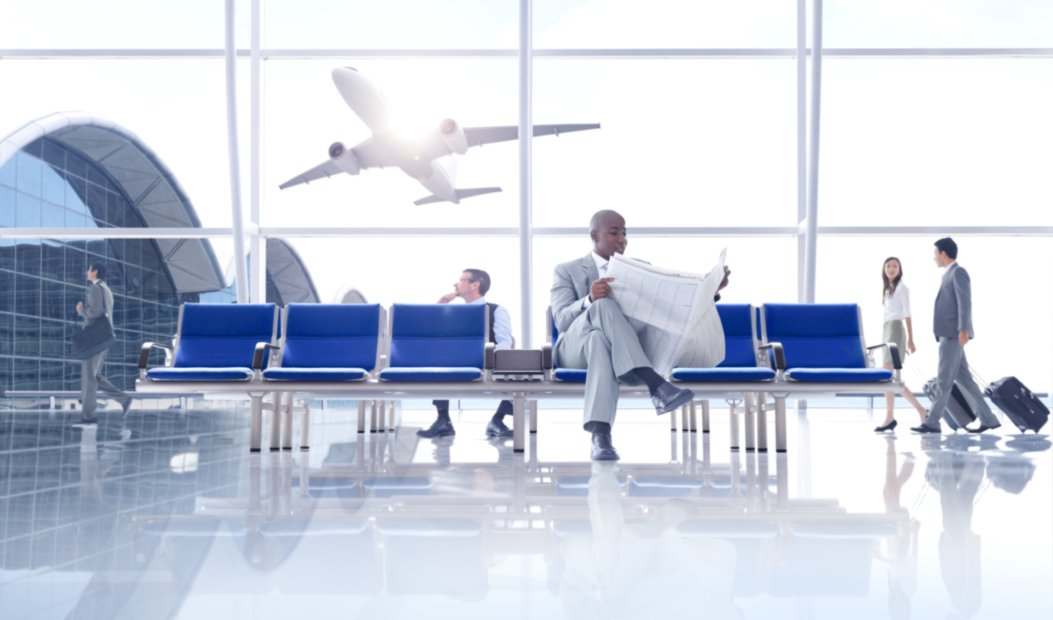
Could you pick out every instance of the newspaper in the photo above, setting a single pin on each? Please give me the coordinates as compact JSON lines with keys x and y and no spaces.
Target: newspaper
{"x":683,"y":326}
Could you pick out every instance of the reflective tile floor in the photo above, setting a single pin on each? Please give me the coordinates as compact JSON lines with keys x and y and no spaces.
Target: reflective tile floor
{"x":167,"y":515}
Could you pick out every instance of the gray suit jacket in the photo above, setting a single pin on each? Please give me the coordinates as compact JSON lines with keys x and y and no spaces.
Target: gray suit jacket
{"x":953,"y":311}
{"x":99,"y":303}
{"x":570,"y":290}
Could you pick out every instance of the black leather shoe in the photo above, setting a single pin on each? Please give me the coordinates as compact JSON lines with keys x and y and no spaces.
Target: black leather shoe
{"x":886,"y":427}
{"x":602,"y":448}
{"x":440,"y":428}
{"x":983,"y":427}
{"x":925,"y":429}
{"x":497,"y":428}
{"x":668,"y":397}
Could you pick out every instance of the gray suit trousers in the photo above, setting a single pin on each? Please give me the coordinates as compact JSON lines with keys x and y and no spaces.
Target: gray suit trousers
{"x":606,"y":343}
{"x":91,"y":379}
{"x":953,"y":368}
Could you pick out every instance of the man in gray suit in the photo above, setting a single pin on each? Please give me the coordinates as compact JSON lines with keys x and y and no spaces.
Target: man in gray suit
{"x":594,"y":334}
{"x":952,"y":323}
{"x":99,"y":308}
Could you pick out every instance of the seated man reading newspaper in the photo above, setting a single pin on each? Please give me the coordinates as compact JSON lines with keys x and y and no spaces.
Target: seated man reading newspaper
{"x":628,"y":322}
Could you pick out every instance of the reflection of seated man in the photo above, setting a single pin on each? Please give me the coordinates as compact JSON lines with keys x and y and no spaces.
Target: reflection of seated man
{"x":957,"y":476}
{"x":642,"y":570}
{"x":472,"y":286}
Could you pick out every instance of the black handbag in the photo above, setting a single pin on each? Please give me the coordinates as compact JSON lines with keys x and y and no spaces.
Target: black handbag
{"x":95,"y":338}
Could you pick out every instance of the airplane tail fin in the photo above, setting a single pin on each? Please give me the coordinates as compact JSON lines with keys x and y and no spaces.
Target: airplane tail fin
{"x":467,"y":192}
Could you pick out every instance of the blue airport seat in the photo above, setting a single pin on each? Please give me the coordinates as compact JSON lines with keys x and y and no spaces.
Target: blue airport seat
{"x":215,"y":342}
{"x":821,"y":343}
{"x":327,"y":343}
{"x":436,"y":343}
{"x":740,"y":363}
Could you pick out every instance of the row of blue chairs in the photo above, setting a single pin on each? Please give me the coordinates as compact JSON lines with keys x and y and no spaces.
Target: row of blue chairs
{"x":441,"y":350}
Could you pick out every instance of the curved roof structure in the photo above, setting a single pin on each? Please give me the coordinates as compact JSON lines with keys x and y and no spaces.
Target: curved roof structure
{"x":288,"y":275}
{"x":150,"y":186}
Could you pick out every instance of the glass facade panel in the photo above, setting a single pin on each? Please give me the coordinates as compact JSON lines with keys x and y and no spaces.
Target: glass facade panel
{"x":171,"y":103}
{"x":939,"y":24}
{"x":362,"y":24}
{"x":664,"y":24}
{"x":670,"y":148}
{"x":115,"y":24}
{"x":914,"y":142}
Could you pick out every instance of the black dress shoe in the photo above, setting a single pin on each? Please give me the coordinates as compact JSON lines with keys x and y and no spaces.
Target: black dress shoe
{"x":602,"y":448}
{"x":497,"y":428}
{"x":668,"y":397}
{"x":925,"y":429}
{"x":983,"y":427}
{"x":440,"y":428}
{"x":887,"y":427}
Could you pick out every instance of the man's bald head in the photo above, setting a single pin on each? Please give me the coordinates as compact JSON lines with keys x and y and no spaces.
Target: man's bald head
{"x":607,"y":230}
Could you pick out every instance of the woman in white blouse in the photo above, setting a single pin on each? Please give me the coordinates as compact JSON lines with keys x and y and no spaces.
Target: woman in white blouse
{"x":896,"y":298}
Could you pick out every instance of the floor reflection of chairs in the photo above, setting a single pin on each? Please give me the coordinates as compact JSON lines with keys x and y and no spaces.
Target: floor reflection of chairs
{"x":829,"y":557}
{"x":435,"y":555}
{"x":331,"y":557}
{"x":754,"y":541}
{"x":210,"y":556}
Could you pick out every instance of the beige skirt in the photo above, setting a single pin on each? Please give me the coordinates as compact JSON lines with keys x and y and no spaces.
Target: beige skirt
{"x":894,"y":332}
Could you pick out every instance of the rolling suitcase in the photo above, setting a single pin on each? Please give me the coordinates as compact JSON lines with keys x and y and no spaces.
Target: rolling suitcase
{"x":958,"y":413}
{"x":1019,"y":404}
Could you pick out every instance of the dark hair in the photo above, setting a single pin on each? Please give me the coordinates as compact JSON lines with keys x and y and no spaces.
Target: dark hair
{"x":100,"y":270}
{"x":890,"y":287}
{"x":480,"y":276}
{"x":948,"y":247}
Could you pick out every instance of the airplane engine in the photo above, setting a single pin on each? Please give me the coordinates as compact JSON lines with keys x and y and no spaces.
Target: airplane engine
{"x":343,"y":158}
{"x":453,"y":136}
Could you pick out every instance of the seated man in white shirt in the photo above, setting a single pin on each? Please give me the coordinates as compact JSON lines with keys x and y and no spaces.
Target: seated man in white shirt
{"x":472,"y":287}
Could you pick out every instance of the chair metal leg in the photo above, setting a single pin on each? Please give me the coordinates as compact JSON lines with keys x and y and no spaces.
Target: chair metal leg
{"x":374,"y":412}
{"x":694,"y":416}
{"x":276,"y":421}
{"x":362,"y":416}
{"x":518,"y":422}
{"x":750,"y":423}
{"x":732,"y":416}
{"x":287,"y":407}
{"x":533,"y":416}
{"x":762,"y":424}
{"x":305,"y":429}
{"x":684,"y":412}
{"x":705,"y":416}
{"x":672,"y":422}
{"x":780,"y":423}
{"x":255,"y":422}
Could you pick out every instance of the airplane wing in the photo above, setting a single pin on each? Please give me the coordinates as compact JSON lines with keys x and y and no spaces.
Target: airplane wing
{"x":321,"y":171}
{"x":478,"y":136}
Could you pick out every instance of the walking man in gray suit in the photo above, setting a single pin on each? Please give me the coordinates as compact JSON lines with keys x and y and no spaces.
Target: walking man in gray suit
{"x":952,"y":323}
{"x":99,"y":308}
{"x":594,"y":334}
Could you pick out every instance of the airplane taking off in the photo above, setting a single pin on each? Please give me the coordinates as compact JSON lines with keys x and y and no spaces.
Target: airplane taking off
{"x":417,"y":157}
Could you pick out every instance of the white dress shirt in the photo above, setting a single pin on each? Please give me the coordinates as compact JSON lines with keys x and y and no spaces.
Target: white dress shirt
{"x":601,"y":266}
{"x":897,"y":305}
{"x":502,"y":326}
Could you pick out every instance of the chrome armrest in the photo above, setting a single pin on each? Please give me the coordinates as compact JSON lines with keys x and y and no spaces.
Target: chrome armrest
{"x":778,"y":353}
{"x":893,"y":352}
{"x":144,"y":355}
{"x":260,"y":352}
